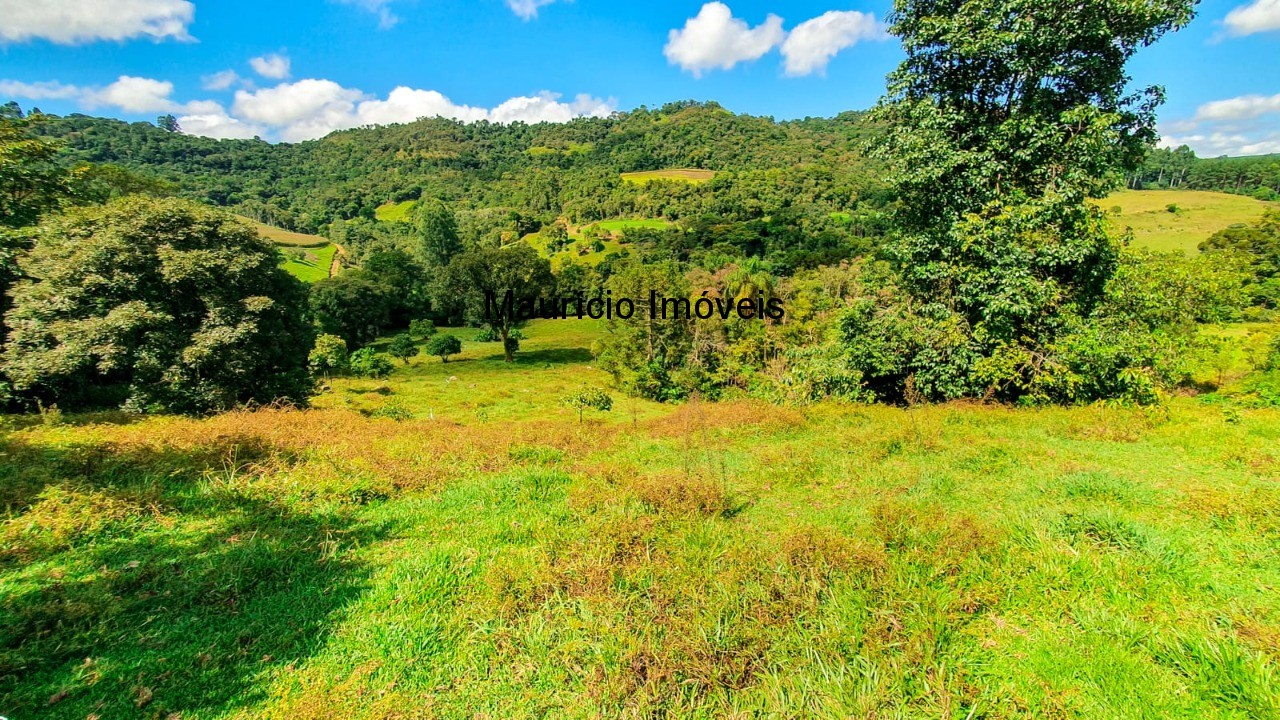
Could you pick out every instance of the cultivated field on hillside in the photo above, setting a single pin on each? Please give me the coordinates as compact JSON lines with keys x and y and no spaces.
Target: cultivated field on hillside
{"x":283,"y":237}
{"x":315,"y":266}
{"x":1198,"y":215}
{"x":493,"y":556}
{"x":684,"y":175}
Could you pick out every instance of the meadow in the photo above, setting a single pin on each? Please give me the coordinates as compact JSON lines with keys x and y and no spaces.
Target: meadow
{"x":688,"y":175}
{"x":315,"y":266}
{"x":489,"y":555}
{"x":1196,"y":216}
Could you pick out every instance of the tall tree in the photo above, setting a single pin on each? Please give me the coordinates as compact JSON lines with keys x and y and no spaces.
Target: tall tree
{"x":1003,"y":120}
{"x":437,"y":232}
{"x":162,"y":305}
{"x":485,"y":275}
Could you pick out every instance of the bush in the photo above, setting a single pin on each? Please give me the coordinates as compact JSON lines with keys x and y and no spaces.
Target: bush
{"x":442,"y":346}
{"x":329,"y":356}
{"x":588,"y":398}
{"x":422,"y":328}
{"x":1172,"y":208}
{"x":367,"y":363}
{"x":487,"y":335}
{"x":1273,"y":361}
{"x":403,"y":347}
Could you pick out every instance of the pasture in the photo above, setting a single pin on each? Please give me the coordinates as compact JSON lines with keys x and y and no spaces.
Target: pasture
{"x":314,"y":267}
{"x":490,"y":556}
{"x":286,"y":238}
{"x":1198,"y":215}
{"x":395,"y":212}
{"x":688,"y":175}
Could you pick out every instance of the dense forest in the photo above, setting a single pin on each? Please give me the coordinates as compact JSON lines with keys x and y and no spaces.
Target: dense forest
{"x":571,"y":169}
{"x":1256,"y":176}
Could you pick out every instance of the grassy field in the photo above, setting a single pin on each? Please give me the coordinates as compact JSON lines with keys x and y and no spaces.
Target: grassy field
{"x":617,"y":226}
{"x":572,"y":252}
{"x":1199,"y":215}
{"x":492,"y":557}
{"x":395,"y":212}
{"x":684,"y":175}
{"x":315,"y":268}
{"x":286,"y":238}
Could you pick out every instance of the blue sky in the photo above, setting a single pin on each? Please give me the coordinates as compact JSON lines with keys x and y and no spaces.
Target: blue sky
{"x":297,"y":70}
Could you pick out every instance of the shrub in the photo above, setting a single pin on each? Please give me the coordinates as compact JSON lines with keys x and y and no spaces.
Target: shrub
{"x":329,"y":356}
{"x":421,"y":328}
{"x":588,"y":398}
{"x":368,"y":363}
{"x":403,"y":347}
{"x":1172,"y":208}
{"x":442,"y":346}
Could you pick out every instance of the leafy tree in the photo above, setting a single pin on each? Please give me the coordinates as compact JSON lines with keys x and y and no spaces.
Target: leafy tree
{"x":168,"y":123}
{"x":329,"y":356}
{"x":489,"y":274}
{"x":643,"y":352}
{"x":1003,"y":120}
{"x":402,"y":346}
{"x":162,"y":305}
{"x":31,"y":183}
{"x":442,"y":346}
{"x":353,"y":305}
{"x":369,"y":363}
{"x":422,"y":328}
{"x":437,"y":231}
{"x":588,"y":398}
{"x":405,"y":280}
{"x":1258,"y":245}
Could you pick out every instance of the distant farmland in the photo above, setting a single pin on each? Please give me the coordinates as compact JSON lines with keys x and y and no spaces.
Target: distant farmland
{"x":286,"y":237}
{"x":682,"y":175}
{"x":1196,"y":215}
{"x":395,"y":212}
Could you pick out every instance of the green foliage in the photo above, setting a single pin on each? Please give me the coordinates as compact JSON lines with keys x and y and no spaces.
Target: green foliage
{"x":444,"y":345}
{"x":162,"y":305}
{"x":369,"y":363}
{"x":31,"y":183}
{"x":490,"y":273}
{"x":998,"y":135}
{"x":641,"y":353}
{"x":437,"y":231}
{"x":403,"y":347}
{"x":588,"y":398}
{"x":405,"y":281}
{"x":422,"y":328}
{"x":1258,"y":247}
{"x":329,"y":356}
{"x":354,"y":306}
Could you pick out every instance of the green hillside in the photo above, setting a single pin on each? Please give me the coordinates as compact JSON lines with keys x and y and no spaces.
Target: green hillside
{"x":1195,"y":215}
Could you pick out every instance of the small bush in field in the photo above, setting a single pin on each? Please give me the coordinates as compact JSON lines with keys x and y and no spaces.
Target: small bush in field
{"x":422,"y":328}
{"x":367,"y":363}
{"x":588,"y":398}
{"x":329,"y":356}
{"x":402,"y":346}
{"x":443,"y":346}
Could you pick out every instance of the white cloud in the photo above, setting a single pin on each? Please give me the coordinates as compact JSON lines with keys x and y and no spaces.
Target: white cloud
{"x":716,"y":39}
{"x":310,"y":109}
{"x":214,"y":122}
{"x":527,"y":9}
{"x":274,"y":66}
{"x":220,"y":80}
{"x":38,"y":90}
{"x":134,"y":95}
{"x":1259,"y":16}
{"x":1235,"y":126}
{"x":812,"y":44}
{"x":386,"y":18}
{"x":1245,"y":107}
{"x":69,"y":22}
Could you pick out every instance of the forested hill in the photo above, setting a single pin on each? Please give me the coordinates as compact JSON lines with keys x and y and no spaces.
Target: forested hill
{"x":573,"y":169}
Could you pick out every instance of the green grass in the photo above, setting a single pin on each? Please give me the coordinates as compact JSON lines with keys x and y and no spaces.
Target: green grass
{"x":286,"y":238}
{"x":1199,"y":215}
{"x":395,"y":212}
{"x":494,"y":557}
{"x":680,"y":175}
{"x":617,"y":226}
{"x":313,"y":269}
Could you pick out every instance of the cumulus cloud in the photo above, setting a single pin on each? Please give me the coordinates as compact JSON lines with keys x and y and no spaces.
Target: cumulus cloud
{"x":811,"y":45}
{"x":527,"y":9}
{"x":1245,"y":107}
{"x":1242,"y":125}
{"x":220,"y":80}
{"x":716,"y":39}
{"x":39,"y":90}
{"x":213,"y":121}
{"x":134,"y":95}
{"x":70,"y":22}
{"x":310,"y":109}
{"x":380,"y":8}
{"x":274,"y":66}
{"x":1258,"y":16}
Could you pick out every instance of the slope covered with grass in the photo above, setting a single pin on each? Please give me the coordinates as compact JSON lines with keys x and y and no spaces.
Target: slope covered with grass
{"x":1194,"y":216}
{"x":494,"y":557}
